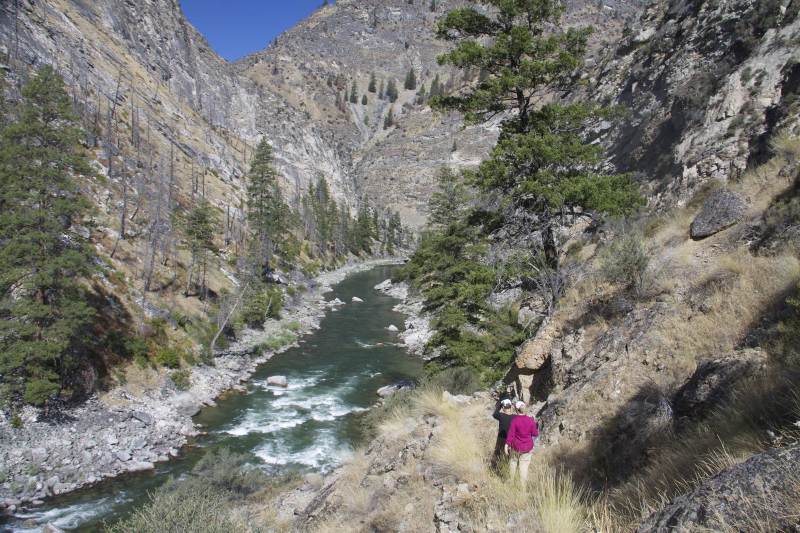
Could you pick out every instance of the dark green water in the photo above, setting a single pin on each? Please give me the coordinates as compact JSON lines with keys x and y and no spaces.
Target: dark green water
{"x":311,"y":426}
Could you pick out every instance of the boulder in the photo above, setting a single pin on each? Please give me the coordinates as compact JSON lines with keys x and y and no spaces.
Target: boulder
{"x":721,"y":210}
{"x":145,"y":418}
{"x":763,"y":488}
{"x":278,"y":381}
{"x":388,"y":390}
{"x":384,"y":285}
{"x":357,"y":300}
{"x":455,"y":399}
{"x":50,"y":528}
{"x":393,"y":328}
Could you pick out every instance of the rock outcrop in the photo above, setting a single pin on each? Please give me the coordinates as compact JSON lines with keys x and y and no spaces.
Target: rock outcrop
{"x":761,"y":494}
{"x":722,"y":209}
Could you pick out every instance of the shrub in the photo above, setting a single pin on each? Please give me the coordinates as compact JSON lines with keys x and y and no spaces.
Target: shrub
{"x":263,"y":303}
{"x":169,"y":357}
{"x":181,"y":379}
{"x":456,"y":380}
{"x":181,"y":507}
{"x":626,"y":262}
{"x":16,"y":421}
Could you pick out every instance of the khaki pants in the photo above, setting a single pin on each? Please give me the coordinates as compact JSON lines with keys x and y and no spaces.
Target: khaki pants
{"x":521,"y":462}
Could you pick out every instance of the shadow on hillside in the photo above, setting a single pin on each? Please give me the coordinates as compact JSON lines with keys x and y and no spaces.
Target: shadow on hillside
{"x":619,"y":447}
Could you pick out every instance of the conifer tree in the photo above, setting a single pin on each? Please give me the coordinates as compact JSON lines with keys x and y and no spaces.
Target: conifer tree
{"x":436,"y":87}
{"x":391,"y":91}
{"x":199,"y":226}
{"x":388,"y":121}
{"x":364,"y":100}
{"x":353,"y":93}
{"x":44,"y":312}
{"x":382,"y":92}
{"x":448,"y":204}
{"x":267,"y":213}
{"x":372,"y":83}
{"x":411,"y":80}
{"x":543,"y":161}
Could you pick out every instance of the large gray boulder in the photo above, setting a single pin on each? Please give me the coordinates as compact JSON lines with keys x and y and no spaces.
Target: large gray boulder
{"x":722,"y":209}
{"x":763,"y":490}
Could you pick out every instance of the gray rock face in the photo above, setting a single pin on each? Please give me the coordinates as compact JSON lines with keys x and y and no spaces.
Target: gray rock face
{"x":763,"y":490}
{"x":721,"y":210}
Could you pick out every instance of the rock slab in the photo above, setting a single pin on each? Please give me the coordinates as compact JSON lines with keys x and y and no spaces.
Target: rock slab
{"x":721,"y":210}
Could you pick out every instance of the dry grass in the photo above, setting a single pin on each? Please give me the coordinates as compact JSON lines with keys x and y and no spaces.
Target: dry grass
{"x":731,"y":309}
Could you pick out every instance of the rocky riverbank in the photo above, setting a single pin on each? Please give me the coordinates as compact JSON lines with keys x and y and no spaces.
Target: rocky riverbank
{"x":147,"y":419}
{"x":418,"y":330}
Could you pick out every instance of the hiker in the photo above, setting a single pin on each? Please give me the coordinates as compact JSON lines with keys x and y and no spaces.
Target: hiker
{"x":504,"y":414}
{"x":519,"y":442}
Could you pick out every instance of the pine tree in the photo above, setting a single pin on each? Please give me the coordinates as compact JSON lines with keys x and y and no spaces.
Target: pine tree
{"x":421,"y":95}
{"x":353,"y":93}
{"x":44,"y":314}
{"x":542,"y":163}
{"x":198,"y":226}
{"x":411,"y":81}
{"x":372,"y":83}
{"x":364,"y":100}
{"x":433,"y":6}
{"x":448,"y":204}
{"x":388,"y":121}
{"x":391,"y":91}
{"x":381,"y":92}
{"x":268,"y":215}
{"x":436,"y":87}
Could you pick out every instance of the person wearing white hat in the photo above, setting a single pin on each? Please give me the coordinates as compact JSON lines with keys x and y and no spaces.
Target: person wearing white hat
{"x":503,"y":413}
{"x":520,"y":439}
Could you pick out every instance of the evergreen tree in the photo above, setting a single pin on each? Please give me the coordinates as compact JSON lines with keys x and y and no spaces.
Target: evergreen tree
{"x":388,"y":121}
{"x":44,"y":313}
{"x":433,"y":6}
{"x":363,"y":231}
{"x":353,"y":93}
{"x":268,"y":215}
{"x":448,"y":204}
{"x":421,"y":94}
{"x":436,"y":87}
{"x":372,"y":83}
{"x":391,"y":91}
{"x":542,"y":162}
{"x":199,"y":225}
{"x":411,"y":80}
{"x":364,"y":100}
{"x":381,"y":92}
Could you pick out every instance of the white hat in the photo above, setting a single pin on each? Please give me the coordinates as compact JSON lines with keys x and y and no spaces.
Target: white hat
{"x":506,"y":402}
{"x":520,"y":404}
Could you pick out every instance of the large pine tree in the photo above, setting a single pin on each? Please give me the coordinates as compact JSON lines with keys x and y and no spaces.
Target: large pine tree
{"x":543,"y":161}
{"x":268,"y":215}
{"x":43,"y":304}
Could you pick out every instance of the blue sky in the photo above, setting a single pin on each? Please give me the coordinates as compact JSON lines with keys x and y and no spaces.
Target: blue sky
{"x":235,"y":28}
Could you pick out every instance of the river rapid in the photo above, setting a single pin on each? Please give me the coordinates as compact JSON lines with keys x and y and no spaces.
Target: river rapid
{"x":309,"y":426}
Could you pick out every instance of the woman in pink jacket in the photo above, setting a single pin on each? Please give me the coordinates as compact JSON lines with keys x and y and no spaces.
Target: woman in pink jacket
{"x":519,"y":443}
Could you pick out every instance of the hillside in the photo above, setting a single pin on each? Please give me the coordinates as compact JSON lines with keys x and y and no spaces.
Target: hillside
{"x":617,"y":244}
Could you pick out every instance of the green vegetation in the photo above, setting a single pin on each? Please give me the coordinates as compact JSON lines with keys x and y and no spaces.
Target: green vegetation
{"x":544,"y":165}
{"x":625,"y":262}
{"x":261,"y":302}
{"x":335,"y":233}
{"x":410,"y":83}
{"x":372,"y":83}
{"x":181,"y":379}
{"x":203,"y":502}
{"x":44,"y":314}
{"x":198,"y":226}
{"x":391,"y":91}
{"x":268,"y":215}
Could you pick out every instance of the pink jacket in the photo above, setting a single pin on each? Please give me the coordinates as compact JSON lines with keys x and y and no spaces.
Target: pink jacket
{"x":522,"y":433}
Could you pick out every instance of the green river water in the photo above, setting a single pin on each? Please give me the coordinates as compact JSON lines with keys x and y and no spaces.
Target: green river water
{"x":310,"y":426}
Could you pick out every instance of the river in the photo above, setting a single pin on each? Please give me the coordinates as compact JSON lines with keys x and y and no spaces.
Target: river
{"x":310,"y":426}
